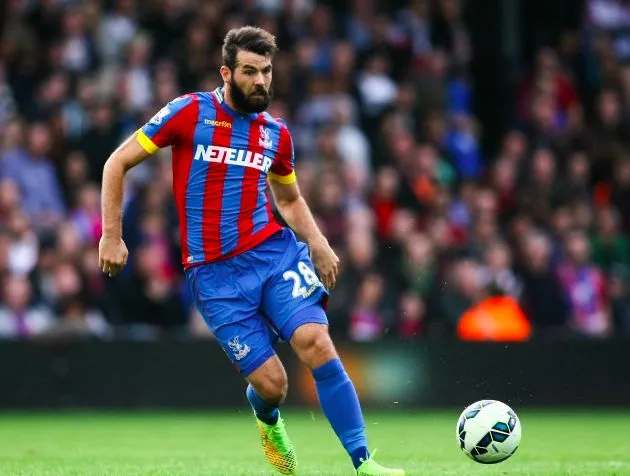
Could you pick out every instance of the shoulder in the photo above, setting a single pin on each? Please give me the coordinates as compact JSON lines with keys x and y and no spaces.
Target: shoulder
{"x":276,"y":123}
{"x":182,"y":102}
{"x":177,"y":109}
{"x":172,"y":109}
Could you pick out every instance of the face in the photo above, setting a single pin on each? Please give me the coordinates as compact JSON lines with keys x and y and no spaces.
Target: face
{"x":578,"y":166}
{"x":578,"y":248}
{"x":607,"y":222}
{"x":39,"y":140}
{"x":17,"y":292}
{"x":250,"y":82}
{"x":498,"y":257}
{"x":537,"y":252}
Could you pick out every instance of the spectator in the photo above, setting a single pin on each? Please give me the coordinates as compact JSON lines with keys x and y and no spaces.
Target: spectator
{"x":149,"y":301}
{"x":36,"y":177}
{"x":24,"y":247}
{"x":543,"y":298}
{"x":620,"y":191}
{"x":86,"y":218}
{"x":610,"y":247}
{"x":584,"y":285}
{"x":419,"y":266}
{"x":102,"y":137}
{"x":77,"y":318}
{"x":619,"y":299}
{"x":496,"y":272}
{"x":19,"y":318}
{"x":463,"y":290}
{"x":575,"y":185}
{"x":367,"y":322}
{"x":412,"y":312}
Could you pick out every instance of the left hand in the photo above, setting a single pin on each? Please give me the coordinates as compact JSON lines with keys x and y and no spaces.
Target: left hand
{"x":325,"y":261}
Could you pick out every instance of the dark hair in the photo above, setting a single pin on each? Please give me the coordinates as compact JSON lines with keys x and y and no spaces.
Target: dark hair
{"x":248,"y":38}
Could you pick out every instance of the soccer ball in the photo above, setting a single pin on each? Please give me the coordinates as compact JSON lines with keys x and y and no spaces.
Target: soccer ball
{"x":488,"y":431}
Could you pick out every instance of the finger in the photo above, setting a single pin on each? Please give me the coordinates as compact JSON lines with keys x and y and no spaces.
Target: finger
{"x":330,"y":281}
{"x":335,"y":270}
{"x":117,"y":268}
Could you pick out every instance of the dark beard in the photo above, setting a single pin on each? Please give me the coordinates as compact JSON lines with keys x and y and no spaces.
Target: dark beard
{"x":249,"y":105}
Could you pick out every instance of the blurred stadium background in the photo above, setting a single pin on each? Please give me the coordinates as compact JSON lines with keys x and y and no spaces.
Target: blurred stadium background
{"x":468,"y":159}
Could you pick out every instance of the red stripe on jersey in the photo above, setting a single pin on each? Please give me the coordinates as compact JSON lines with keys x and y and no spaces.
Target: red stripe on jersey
{"x":182,"y":156}
{"x":168,"y":132}
{"x":213,"y":194}
{"x":249,"y":195}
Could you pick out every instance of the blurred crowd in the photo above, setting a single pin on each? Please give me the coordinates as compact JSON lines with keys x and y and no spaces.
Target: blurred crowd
{"x":437,"y":237}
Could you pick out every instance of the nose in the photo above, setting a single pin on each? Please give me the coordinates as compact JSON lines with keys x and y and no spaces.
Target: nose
{"x":259,"y":80}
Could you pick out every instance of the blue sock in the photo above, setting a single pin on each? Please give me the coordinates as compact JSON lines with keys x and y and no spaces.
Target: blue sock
{"x":264,"y":412}
{"x":340,"y":404}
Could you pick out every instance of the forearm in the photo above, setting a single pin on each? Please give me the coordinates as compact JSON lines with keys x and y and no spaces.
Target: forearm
{"x":299,"y":217}
{"x":112,"y":197}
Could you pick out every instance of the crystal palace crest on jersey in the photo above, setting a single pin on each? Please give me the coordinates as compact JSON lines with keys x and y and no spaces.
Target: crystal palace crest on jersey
{"x":265,"y":139}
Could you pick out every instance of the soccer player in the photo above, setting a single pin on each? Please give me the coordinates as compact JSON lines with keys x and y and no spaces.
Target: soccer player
{"x":251,"y":279}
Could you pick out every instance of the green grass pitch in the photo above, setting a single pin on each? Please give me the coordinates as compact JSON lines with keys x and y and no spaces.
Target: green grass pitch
{"x":156,"y":444}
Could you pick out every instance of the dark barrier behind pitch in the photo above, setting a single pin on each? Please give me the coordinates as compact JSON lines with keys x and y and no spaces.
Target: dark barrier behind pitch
{"x":197,"y":374}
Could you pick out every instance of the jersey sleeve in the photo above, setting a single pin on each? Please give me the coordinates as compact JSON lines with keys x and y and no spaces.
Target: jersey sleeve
{"x":281,"y":170}
{"x":163,"y":129}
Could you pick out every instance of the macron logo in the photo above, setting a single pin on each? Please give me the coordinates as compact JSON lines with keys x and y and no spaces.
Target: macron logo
{"x":229,"y":155}
{"x":212,"y":122}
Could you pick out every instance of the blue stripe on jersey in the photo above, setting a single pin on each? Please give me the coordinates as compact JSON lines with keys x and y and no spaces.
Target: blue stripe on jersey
{"x":165,"y":114}
{"x":233,"y":188}
{"x":197,"y":183}
{"x":260,"y":218}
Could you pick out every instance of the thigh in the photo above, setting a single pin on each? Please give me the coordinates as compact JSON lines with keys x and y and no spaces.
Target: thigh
{"x":228,"y":298}
{"x":292,"y":287}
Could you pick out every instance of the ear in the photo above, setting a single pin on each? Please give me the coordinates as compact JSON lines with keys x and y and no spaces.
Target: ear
{"x":226,"y":74}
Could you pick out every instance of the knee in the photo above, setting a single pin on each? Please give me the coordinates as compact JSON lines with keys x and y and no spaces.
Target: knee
{"x":314,"y":346}
{"x":273,"y":389}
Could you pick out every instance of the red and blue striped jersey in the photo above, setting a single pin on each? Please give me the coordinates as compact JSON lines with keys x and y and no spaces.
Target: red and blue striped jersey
{"x":221,"y":162}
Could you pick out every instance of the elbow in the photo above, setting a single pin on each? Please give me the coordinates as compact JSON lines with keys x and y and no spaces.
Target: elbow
{"x":114,"y":164}
{"x":113,"y":168}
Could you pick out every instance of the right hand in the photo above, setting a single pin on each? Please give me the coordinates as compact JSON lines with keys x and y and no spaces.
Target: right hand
{"x":112,"y":255}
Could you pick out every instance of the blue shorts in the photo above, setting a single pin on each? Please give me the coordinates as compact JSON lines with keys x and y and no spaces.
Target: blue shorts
{"x":251,"y":300}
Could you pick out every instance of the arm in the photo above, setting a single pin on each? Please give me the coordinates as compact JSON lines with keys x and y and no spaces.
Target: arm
{"x":295,"y":211}
{"x":112,"y":250}
{"x":298,"y":216}
{"x":160,"y":131}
